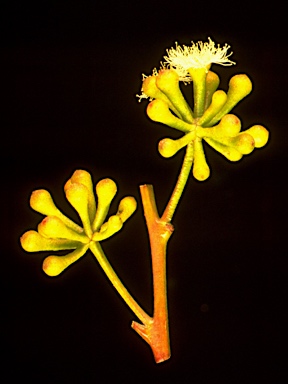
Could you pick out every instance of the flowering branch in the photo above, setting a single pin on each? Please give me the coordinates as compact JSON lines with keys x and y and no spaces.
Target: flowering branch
{"x":208,"y":120}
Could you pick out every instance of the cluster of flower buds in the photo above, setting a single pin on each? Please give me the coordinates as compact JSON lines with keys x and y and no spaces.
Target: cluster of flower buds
{"x":210,"y":120}
{"x":57,"y":232}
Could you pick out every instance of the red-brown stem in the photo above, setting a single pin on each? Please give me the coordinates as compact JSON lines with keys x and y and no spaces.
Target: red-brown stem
{"x":156,"y":333}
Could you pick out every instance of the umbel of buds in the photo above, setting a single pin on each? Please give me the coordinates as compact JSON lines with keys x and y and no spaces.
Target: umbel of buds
{"x":210,"y":119}
{"x":57,"y":232}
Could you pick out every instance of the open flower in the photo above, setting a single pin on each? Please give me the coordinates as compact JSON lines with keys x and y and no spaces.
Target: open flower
{"x":184,"y":59}
{"x":57,"y":232}
{"x":198,"y":55}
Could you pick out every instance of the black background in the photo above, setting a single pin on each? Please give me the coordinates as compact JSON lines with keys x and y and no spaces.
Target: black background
{"x":71,"y":74}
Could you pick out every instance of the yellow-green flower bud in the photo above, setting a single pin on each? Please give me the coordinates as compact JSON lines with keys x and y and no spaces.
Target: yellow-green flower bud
{"x":259,"y":134}
{"x":106,"y":190}
{"x":54,"y":265}
{"x":41,"y":201}
{"x":83,"y":177}
{"x":212,"y":83}
{"x":201,"y":169}
{"x":239,"y":87}
{"x":218,"y":100}
{"x":32,"y":241}
{"x":149,"y":88}
{"x":229,"y":152}
{"x":229,"y":126}
{"x":159,"y":111}
{"x":126,"y":208}
{"x":168,"y":82}
{"x":77,"y":195}
{"x":168,"y":147}
{"x":244,"y":143}
{"x":108,"y":229}
{"x":53,"y":227}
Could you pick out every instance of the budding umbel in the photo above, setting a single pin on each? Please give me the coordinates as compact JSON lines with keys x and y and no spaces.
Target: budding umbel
{"x":57,"y":232}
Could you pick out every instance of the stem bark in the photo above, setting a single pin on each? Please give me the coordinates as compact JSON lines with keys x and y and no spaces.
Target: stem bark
{"x":156,"y":333}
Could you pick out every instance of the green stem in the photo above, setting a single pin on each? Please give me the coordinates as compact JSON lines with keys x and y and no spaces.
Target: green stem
{"x":180,"y":185}
{"x":198,"y":76}
{"x":118,"y":285}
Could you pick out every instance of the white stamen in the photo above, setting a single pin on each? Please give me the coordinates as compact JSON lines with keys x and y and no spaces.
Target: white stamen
{"x":199,"y":55}
{"x":143,"y":94}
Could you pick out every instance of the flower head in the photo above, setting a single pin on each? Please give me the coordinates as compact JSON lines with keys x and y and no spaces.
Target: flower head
{"x":209,"y":120}
{"x":57,"y":232}
{"x":198,"y":55}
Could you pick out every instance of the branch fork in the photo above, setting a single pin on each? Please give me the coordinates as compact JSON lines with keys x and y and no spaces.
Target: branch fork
{"x":156,"y":331}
